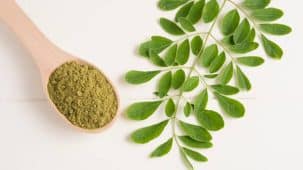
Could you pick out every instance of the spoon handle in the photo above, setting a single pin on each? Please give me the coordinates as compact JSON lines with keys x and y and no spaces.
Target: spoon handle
{"x":45,"y":54}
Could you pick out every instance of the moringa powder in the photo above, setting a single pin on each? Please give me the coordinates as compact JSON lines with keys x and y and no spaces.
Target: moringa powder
{"x":83,"y":95}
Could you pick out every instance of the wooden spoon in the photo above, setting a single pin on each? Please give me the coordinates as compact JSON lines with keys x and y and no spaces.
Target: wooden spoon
{"x":47,"y":56}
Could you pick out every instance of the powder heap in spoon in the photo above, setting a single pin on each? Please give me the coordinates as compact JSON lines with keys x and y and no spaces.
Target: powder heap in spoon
{"x":83,"y":95}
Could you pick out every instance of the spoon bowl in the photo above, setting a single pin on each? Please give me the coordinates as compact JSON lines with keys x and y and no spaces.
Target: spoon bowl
{"x":47,"y":56}
{"x":80,"y":61}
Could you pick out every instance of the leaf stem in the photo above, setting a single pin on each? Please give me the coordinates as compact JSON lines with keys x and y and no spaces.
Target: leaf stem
{"x":184,"y":98}
{"x":169,"y":97}
{"x":208,"y":34}
{"x":202,"y":78}
{"x":173,"y":96}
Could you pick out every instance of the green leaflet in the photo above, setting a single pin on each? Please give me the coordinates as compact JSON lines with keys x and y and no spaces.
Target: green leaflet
{"x":185,"y":159}
{"x":187,"y":109}
{"x":211,"y":11}
{"x":156,"y":45}
{"x":252,"y":35}
{"x":208,"y":55}
{"x":139,"y":77}
{"x":225,"y":89}
{"x":195,"y":155}
{"x":170,"y":55}
{"x":196,"y":45}
{"x":183,"y":52}
{"x":252,"y":61}
{"x":226,"y":74}
{"x":272,"y":49}
{"x":144,"y":49}
{"x":164,"y":84}
{"x":171,"y":27}
{"x":160,"y":41}
{"x":230,"y":22}
{"x":170,"y":4}
{"x":163,"y":149}
{"x":190,"y":84}
{"x":195,"y":132}
{"x":142,"y":110}
{"x":156,"y":59}
{"x":183,"y":11}
{"x":244,"y":47}
{"x":242,"y":32}
{"x":149,"y":133}
{"x":256,"y":4}
{"x":211,"y":76}
{"x":210,"y":120}
{"x":193,"y":143}
{"x":195,"y":13}
{"x":178,"y":79}
{"x":275,"y":29}
{"x":217,"y":63}
{"x":200,"y":101}
{"x":170,"y":108}
{"x":268,"y":14}
{"x":230,"y":106}
{"x":243,"y":81}
{"x":186,"y":24}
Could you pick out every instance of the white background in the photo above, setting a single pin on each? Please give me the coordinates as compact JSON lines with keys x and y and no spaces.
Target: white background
{"x":106,"y":32}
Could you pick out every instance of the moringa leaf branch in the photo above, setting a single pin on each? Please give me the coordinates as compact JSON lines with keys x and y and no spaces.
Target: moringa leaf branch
{"x":200,"y":65}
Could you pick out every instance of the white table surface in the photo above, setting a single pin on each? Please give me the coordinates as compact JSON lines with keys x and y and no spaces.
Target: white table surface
{"x":106,"y":32}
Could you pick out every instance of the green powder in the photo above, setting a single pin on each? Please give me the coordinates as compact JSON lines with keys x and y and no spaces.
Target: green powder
{"x":83,"y":95}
